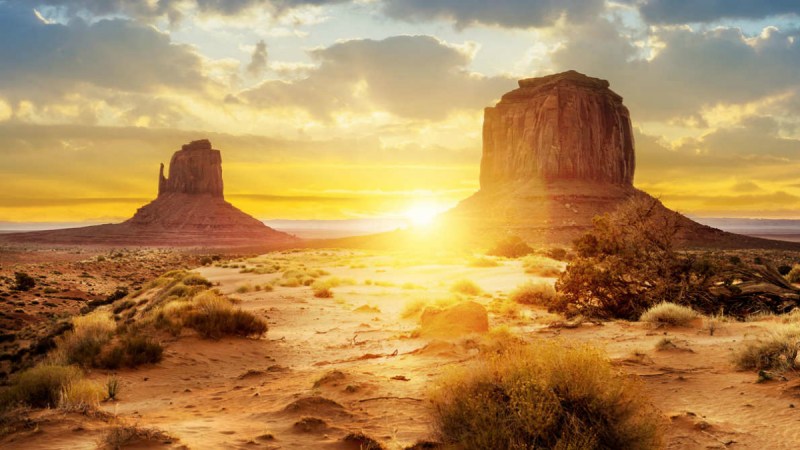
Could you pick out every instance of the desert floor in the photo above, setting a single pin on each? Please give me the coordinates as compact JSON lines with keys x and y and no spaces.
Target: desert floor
{"x":351,"y":363}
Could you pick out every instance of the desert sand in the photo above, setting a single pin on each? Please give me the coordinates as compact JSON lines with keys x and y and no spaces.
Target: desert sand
{"x":351,"y":363}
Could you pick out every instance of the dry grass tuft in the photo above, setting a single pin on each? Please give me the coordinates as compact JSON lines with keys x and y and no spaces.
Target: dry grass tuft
{"x":214,"y":316}
{"x":544,"y":395}
{"x":41,"y":386}
{"x":794,"y":275}
{"x":777,"y":351}
{"x":84,"y":344}
{"x":534,"y":293}
{"x":466,"y":287}
{"x":364,"y":441}
{"x":122,"y":436}
{"x":671,"y":314}
{"x":81,"y":395}
{"x":542,"y":266}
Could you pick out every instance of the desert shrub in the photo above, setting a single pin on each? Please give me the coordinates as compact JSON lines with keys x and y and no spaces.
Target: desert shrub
{"x":23,"y":282}
{"x":544,"y":395}
{"x":80,"y":395}
{"x":483,"y":261}
{"x":194,"y":279}
{"x":41,"y":386}
{"x":794,"y":275}
{"x":120,"y":292}
{"x":777,"y":351}
{"x":629,"y":262}
{"x":132,"y":351}
{"x":557,"y":253}
{"x":84,"y":344}
{"x":214,"y":316}
{"x":322,"y":292}
{"x":245,"y":288}
{"x":534,"y":293}
{"x":541,"y":266}
{"x":122,"y":306}
{"x":666,"y":313}
{"x":181,"y":290}
{"x":322,"y":288}
{"x":510,"y":247}
{"x":466,"y":287}
{"x":363,"y":441}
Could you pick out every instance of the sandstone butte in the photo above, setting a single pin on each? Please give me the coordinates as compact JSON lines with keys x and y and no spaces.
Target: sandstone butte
{"x":558,"y":151}
{"x":190,"y":211}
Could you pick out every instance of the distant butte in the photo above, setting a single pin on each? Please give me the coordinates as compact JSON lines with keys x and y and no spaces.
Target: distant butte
{"x":190,"y":211}
{"x":558,"y":151}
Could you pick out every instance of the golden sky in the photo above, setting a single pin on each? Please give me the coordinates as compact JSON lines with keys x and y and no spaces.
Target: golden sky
{"x":335,"y":109}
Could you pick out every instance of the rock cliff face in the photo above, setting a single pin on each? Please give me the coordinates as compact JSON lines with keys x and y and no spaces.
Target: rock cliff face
{"x":558,"y":127}
{"x":557,"y":152}
{"x":190,"y":211}
{"x":195,"y":169}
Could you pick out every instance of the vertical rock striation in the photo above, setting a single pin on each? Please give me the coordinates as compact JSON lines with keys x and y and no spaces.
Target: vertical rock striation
{"x":195,"y":169}
{"x":562,"y":126}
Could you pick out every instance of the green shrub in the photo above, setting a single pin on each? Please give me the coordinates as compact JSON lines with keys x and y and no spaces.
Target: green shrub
{"x":629,"y":262}
{"x":544,"y":395}
{"x":534,"y":293}
{"x":666,"y":313}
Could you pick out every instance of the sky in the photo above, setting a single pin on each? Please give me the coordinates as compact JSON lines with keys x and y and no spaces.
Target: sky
{"x":352,"y":109}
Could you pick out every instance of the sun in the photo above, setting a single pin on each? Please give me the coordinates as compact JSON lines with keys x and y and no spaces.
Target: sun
{"x":421,"y":214}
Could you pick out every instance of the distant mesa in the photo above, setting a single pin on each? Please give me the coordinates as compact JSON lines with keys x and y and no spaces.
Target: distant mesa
{"x":558,"y":151}
{"x":190,"y":211}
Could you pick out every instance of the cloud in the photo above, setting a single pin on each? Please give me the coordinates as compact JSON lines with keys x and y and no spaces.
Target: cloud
{"x":688,"y":70}
{"x":503,"y":13}
{"x":689,"y":11}
{"x":258,"y":61}
{"x":42,"y":62}
{"x":175,"y":10}
{"x":410,"y":76}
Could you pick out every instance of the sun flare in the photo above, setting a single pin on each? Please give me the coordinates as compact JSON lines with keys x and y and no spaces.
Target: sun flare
{"x":421,"y":214}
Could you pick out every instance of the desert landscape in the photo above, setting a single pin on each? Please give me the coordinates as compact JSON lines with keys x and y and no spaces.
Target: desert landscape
{"x":399,"y":225}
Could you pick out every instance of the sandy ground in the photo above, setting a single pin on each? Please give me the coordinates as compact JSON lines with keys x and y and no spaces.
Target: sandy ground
{"x":330,"y":366}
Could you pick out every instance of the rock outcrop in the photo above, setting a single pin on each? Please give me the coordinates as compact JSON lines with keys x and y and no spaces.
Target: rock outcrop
{"x":563,"y":126}
{"x":190,"y":211}
{"x":557,"y":152}
{"x":195,"y":169}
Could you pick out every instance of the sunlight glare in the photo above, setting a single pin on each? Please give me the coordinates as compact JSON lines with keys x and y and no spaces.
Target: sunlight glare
{"x":421,"y":214}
